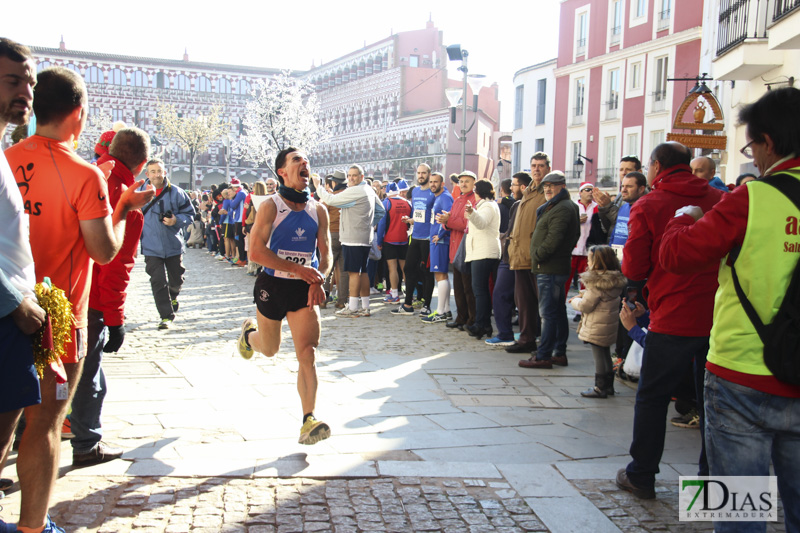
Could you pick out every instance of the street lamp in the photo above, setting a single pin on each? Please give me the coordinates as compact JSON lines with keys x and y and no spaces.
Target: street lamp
{"x":476,"y":82}
{"x":578,"y":164}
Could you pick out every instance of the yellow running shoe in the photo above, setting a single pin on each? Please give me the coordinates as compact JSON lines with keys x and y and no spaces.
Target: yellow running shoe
{"x":314,"y":431}
{"x":245,"y":350}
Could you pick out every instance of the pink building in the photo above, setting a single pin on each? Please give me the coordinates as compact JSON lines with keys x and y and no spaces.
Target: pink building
{"x":388,"y":100}
{"x":614,"y":96}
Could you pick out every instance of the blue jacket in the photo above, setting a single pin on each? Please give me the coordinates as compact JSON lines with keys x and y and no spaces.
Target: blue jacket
{"x":163,"y":241}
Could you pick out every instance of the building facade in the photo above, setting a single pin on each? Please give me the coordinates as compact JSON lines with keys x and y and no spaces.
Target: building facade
{"x":614,"y":80}
{"x":534,"y":110}
{"x":750,"y":47}
{"x":386,"y":99}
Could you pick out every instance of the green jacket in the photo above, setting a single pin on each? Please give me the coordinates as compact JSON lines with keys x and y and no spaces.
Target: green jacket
{"x":557,"y":231}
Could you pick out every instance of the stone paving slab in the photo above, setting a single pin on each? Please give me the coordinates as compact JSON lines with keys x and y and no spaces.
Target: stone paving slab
{"x":432,"y":431}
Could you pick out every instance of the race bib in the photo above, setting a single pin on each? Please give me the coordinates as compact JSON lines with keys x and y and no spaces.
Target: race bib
{"x":419,"y":215}
{"x":301,"y":258}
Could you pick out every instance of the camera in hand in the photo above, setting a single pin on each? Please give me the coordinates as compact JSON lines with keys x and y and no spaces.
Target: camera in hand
{"x":166,"y":214}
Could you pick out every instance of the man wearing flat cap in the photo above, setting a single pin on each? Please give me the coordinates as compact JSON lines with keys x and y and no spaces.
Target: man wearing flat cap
{"x":557,"y":231}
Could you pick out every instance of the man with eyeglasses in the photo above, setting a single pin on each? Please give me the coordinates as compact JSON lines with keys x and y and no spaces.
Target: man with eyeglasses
{"x":754,"y":226}
{"x":680,"y":311}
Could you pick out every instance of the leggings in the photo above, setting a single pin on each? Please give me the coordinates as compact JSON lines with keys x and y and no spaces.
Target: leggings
{"x":602,"y":359}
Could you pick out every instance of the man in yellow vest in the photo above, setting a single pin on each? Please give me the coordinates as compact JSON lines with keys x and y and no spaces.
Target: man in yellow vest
{"x":751,"y":416}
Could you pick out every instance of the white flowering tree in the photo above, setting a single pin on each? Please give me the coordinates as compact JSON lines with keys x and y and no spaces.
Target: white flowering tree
{"x":192,"y":133}
{"x":282,"y":112}
{"x":95,"y":126}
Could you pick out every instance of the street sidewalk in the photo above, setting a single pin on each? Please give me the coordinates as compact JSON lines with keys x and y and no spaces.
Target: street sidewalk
{"x":431,"y":431}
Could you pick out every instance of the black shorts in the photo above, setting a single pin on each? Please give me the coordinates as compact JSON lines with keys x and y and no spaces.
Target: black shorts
{"x":394,"y":251}
{"x":275,"y":297}
{"x":18,"y":377}
{"x":230,"y":231}
{"x":355,"y":258}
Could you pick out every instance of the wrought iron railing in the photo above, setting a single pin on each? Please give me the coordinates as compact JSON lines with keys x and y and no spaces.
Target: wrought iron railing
{"x":783,"y":8}
{"x":616,"y":34}
{"x":733,"y":15}
{"x":581,"y":47}
{"x":663,"y":19}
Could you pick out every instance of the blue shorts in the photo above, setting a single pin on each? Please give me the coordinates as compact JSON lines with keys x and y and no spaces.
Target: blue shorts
{"x":355,"y":258}
{"x":440,"y":257}
{"x":19,"y":382}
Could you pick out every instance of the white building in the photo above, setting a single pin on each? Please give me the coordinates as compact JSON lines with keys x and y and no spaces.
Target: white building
{"x":534,"y":111}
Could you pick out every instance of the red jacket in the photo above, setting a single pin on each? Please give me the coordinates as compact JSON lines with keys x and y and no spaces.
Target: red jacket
{"x":457,"y":224}
{"x":679,"y":304}
{"x":110,"y":281}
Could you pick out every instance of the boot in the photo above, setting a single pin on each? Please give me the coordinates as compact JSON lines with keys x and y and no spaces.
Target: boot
{"x":609,"y":384}
{"x":598,"y":391}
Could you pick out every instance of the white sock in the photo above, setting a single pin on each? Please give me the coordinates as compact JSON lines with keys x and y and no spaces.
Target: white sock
{"x":394,"y":293}
{"x":443,"y":305}
{"x":353,"y":303}
{"x":365,"y":302}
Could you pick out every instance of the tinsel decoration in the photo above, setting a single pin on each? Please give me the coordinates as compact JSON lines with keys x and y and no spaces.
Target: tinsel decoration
{"x":59,"y":313}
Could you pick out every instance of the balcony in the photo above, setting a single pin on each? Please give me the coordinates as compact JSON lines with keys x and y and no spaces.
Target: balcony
{"x":743,"y":50}
{"x":616,"y":35}
{"x":612,"y":106}
{"x":783,"y":34}
{"x":659,"y":101}
{"x":577,"y":116}
{"x":580,"y":47}
{"x":663,"y":20}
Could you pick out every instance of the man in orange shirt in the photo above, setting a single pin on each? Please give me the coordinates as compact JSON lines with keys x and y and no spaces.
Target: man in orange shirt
{"x":70,"y":225}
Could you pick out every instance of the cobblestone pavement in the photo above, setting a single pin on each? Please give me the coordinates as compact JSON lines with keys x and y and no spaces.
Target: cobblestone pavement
{"x":432,"y":431}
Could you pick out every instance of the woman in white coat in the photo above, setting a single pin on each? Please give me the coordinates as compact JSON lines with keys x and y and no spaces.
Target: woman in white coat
{"x":482,"y":253}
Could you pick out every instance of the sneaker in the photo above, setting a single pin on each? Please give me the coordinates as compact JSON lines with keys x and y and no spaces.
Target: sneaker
{"x":418,"y":304}
{"x":165,"y":323}
{"x":101,"y":453}
{"x":392,"y":299}
{"x":363,"y":313}
{"x":497,"y":341}
{"x":425,"y":311}
{"x":690,"y":420}
{"x":314,"y":431}
{"x":380,"y":286}
{"x":221,"y":257}
{"x":175,"y":306}
{"x":449,"y":315}
{"x":347,"y":313}
{"x":403,"y":310}
{"x":66,"y":430}
{"x":433,"y":318}
{"x":373,"y":291}
{"x":51,"y":527}
{"x":245,"y":350}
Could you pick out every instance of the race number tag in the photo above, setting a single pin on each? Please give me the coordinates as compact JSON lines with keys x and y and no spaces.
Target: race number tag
{"x":301,"y":258}
{"x":419,"y":215}
{"x":62,"y":391}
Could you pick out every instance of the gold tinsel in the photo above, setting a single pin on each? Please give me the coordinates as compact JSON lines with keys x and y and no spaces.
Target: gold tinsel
{"x":55,"y":302}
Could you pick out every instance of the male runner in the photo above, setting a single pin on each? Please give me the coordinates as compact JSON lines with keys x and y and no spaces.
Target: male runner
{"x":289,"y":228}
{"x":440,"y":250}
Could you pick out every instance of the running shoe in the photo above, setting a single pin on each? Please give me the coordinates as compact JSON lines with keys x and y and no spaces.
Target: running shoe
{"x":363,"y":313}
{"x":245,"y":350}
{"x":165,"y":323}
{"x":434,"y":318}
{"x":418,"y":304}
{"x":425,"y":311}
{"x":175,"y":306}
{"x":373,"y":291}
{"x":51,"y":527}
{"x":690,"y":420}
{"x":347,"y":313}
{"x":497,"y":341}
{"x":392,"y":299}
{"x":66,"y":429}
{"x":403,"y":310}
{"x":313,"y":431}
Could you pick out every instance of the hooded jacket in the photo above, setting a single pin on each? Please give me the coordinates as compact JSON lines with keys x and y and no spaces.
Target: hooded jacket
{"x":599,"y":306}
{"x":519,"y":240}
{"x":680,"y":304}
{"x":163,"y":241}
{"x":557,"y":231}
{"x":110,"y":281}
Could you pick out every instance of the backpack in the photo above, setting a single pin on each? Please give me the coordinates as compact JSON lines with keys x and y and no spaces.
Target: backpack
{"x":781,"y":337}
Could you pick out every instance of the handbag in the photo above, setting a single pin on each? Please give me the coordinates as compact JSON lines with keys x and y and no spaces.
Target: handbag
{"x":460,"y":259}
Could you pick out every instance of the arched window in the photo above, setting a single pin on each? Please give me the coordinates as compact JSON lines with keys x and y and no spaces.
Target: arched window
{"x":94,"y":75}
{"x":117,"y":77}
{"x":244,"y":87}
{"x":182,"y":83}
{"x":203,"y":84}
{"x":139,"y":79}
{"x":223,"y":86}
{"x":72,"y":67}
{"x":162,"y":81}
{"x":43,"y":65}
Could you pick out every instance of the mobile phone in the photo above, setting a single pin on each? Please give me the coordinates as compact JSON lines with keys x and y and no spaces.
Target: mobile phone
{"x":630,"y":300}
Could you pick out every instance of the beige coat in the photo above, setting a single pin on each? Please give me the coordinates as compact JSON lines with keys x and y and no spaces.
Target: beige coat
{"x":483,"y":237}
{"x":599,"y":305}
{"x":519,"y":239}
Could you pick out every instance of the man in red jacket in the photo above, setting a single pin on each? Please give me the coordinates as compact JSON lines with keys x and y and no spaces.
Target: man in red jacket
{"x":456,"y":223}
{"x":681,"y":309}
{"x":128,"y":154}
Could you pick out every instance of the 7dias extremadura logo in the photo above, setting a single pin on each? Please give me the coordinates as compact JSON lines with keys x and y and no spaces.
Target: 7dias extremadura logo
{"x":728,"y":499}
